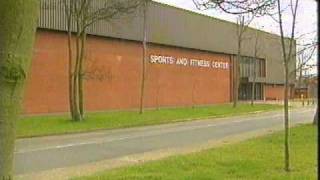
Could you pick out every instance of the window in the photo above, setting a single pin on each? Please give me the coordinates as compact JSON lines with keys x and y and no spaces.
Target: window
{"x":250,"y":67}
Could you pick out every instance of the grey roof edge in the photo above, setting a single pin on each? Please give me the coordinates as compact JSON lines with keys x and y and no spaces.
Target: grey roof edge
{"x":215,"y":18}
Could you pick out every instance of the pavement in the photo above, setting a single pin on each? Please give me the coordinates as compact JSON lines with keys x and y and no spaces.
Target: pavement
{"x":81,"y":154}
{"x":296,"y":103}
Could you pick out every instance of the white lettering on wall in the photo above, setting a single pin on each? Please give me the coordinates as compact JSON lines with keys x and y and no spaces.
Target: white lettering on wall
{"x":162,"y":59}
{"x":182,"y":61}
{"x":220,"y":65}
{"x":155,"y":59}
{"x":199,"y":63}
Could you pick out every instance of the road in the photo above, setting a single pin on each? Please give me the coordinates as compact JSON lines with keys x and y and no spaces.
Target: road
{"x":47,"y":153}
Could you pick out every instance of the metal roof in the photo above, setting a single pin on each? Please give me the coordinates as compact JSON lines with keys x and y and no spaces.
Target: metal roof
{"x":173,"y":26}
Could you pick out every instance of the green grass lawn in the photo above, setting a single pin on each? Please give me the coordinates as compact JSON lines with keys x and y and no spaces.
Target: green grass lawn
{"x":260,"y":158}
{"x":51,"y":125}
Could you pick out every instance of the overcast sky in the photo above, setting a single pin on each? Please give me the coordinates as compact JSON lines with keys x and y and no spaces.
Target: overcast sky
{"x":306,"y":18}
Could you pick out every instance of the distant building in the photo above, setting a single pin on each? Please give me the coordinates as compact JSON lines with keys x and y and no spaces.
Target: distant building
{"x":190,"y":62}
{"x":306,"y":87}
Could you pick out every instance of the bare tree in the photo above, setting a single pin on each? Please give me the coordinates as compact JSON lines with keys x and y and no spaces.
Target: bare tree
{"x":258,"y":7}
{"x":144,"y":60}
{"x":256,"y":51}
{"x":287,"y":55}
{"x":81,"y":15}
{"x":19,"y":18}
{"x":69,"y":8}
{"x":253,"y":8}
{"x":242,"y":26}
{"x":304,"y":55}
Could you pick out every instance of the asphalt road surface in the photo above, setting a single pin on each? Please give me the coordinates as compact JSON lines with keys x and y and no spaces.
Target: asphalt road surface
{"x":47,"y":153}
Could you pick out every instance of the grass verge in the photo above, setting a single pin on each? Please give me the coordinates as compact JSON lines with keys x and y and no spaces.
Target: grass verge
{"x":259,"y":158}
{"x":54,"y":125}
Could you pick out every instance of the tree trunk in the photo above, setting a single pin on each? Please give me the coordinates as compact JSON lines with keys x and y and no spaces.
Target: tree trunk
{"x":235,"y":82}
{"x":77,"y":115}
{"x":81,"y":75}
{"x":316,"y":117}
{"x":70,"y":65}
{"x":18,"y":19}
{"x":143,"y":76}
{"x":300,"y":78}
{"x":286,"y":118}
{"x":238,"y":79}
{"x":253,"y":91}
{"x":237,"y":76}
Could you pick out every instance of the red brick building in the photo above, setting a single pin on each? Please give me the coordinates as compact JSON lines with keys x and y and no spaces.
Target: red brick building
{"x":187,"y":65}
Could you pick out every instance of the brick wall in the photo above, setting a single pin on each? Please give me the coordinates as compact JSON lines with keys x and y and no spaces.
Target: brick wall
{"x":114,"y":76}
{"x":274,"y":92}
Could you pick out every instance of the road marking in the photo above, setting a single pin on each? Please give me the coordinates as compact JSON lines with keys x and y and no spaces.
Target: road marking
{"x":160,"y":131}
{"x":181,"y":129}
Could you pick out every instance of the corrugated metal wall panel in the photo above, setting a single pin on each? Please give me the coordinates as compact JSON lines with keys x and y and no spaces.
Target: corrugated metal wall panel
{"x":175,"y":27}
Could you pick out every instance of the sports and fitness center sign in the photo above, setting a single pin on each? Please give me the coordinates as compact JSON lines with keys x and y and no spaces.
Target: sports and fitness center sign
{"x":169,"y":60}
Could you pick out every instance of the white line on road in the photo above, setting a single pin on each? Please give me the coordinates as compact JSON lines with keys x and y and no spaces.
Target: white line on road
{"x":189,"y":128}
